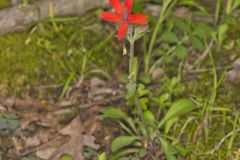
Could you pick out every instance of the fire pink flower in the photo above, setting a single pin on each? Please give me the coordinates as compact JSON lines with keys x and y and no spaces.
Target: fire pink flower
{"x":123,"y":16}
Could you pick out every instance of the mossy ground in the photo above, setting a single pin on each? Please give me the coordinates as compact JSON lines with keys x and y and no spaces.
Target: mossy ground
{"x":46,"y":56}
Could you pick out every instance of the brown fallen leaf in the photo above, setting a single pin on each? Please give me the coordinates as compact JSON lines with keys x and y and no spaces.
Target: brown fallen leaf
{"x":78,"y":139}
{"x":20,"y":103}
{"x":33,"y":141}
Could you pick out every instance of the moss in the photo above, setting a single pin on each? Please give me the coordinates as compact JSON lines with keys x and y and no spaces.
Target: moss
{"x":45,"y":56}
{"x":18,"y":61}
{"x":4,"y":3}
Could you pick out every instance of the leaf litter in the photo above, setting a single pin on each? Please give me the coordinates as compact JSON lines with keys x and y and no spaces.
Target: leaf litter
{"x":45,"y":130}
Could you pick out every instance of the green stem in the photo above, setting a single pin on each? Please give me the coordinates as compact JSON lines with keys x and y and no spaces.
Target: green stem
{"x":131,"y":61}
{"x":140,"y":112}
{"x":133,"y":80}
{"x":215,"y":82}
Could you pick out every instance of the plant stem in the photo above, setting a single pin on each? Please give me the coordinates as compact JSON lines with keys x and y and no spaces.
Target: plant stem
{"x":133,"y":80}
{"x":131,"y":61}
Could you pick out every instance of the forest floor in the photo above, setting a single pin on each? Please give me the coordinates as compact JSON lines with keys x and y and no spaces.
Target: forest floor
{"x":55,"y":83}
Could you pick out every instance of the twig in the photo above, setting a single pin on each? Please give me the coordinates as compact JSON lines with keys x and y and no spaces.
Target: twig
{"x":184,"y":126}
{"x":222,"y":140}
{"x":203,"y":56}
{"x":81,"y":106}
{"x":208,"y":69}
{"x":108,"y":100}
{"x":38,"y":147}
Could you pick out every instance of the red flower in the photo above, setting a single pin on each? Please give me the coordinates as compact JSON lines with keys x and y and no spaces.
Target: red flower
{"x":123,"y":16}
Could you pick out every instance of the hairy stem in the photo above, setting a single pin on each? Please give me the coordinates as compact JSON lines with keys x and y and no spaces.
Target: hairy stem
{"x":133,"y":80}
{"x":131,"y":61}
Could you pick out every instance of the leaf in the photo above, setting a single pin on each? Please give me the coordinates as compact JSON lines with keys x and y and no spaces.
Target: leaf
{"x":122,"y":153}
{"x":131,"y":90}
{"x":143,"y":103}
{"x":73,"y":147}
{"x":180,"y":24}
{"x":142,"y":152}
{"x":102,"y":156}
{"x":163,"y":98}
{"x":121,"y":142}
{"x":192,"y":3}
{"x":236,"y":4}
{"x":170,"y":37}
{"x":145,"y":78}
{"x":67,"y":84}
{"x":181,"y":52}
{"x":66,"y":157}
{"x":149,"y":117}
{"x":180,"y":107}
{"x":142,"y":91}
{"x":181,"y":150}
{"x":222,"y":33}
{"x":169,"y":124}
{"x":114,"y":113}
{"x":203,"y":30}
{"x":197,"y":43}
{"x":168,"y":150}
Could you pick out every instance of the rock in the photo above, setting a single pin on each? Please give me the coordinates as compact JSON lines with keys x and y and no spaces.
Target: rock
{"x":96,"y":82}
{"x":234,"y":74}
{"x":157,"y":74}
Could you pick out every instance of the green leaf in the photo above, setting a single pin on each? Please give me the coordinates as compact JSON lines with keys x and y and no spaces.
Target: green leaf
{"x":149,"y":117}
{"x":142,"y":91}
{"x":145,"y":78}
{"x":180,"y":24}
{"x":163,"y":98}
{"x":143,"y":103}
{"x":222,"y":33}
{"x":114,"y":113}
{"x":181,"y":52}
{"x":131,"y":90}
{"x":142,"y":152}
{"x":168,"y":150}
{"x":121,"y":142}
{"x":122,"y":153}
{"x":203,"y":30}
{"x":170,"y":37}
{"x":66,"y":157}
{"x":192,"y":3}
{"x":180,"y":107}
{"x":197,"y":43}
{"x":13,"y":124}
{"x":169,"y":124}
{"x":102,"y":156}
{"x":181,"y":150}
{"x":67,"y":84}
{"x":236,"y":4}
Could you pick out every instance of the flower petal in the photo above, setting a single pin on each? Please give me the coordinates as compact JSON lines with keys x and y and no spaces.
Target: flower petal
{"x":137,"y":19}
{"x":128,"y":4}
{"x":117,"y":5}
{"x":122,"y":30}
{"x":109,"y":16}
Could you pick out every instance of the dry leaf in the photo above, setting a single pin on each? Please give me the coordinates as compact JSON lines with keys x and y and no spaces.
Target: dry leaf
{"x":32,"y":141}
{"x":78,"y":139}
